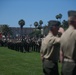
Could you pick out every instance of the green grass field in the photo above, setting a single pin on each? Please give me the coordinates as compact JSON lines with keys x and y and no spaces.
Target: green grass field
{"x":17,"y":63}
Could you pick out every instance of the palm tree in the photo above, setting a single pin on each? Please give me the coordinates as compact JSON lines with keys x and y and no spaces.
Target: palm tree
{"x":21,"y":23}
{"x":40,"y":22}
{"x":57,"y":17}
{"x":35,"y":24}
{"x":60,"y":16}
{"x":40,"y":26}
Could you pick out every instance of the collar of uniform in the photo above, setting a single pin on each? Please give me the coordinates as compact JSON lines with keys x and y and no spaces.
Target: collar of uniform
{"x":50,"y":34}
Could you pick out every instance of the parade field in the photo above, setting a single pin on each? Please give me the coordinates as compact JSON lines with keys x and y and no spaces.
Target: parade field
{"x":17,"y":63}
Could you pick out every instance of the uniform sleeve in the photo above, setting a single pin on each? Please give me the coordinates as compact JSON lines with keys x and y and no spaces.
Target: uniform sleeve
{"x":75,"y":35}
{"x":56,"y":40}
{"x":43,"y":47}
{"x":41,"y":50}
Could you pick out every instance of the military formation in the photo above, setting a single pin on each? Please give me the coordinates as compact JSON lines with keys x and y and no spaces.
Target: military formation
{"x":27,"y":45}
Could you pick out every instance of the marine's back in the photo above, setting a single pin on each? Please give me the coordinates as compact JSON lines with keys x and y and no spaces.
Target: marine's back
{"x":68,"y":42}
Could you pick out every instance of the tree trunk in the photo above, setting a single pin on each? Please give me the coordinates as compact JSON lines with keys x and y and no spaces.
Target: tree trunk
{"x":22,"y":33}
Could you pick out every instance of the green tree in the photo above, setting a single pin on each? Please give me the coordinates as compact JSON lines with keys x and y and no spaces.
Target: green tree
{"x":46,"y":29}
{"x":39,"y":27}
{"x":6,"y":30}
{"x":65,"y":24}
{"x":35,"y":33}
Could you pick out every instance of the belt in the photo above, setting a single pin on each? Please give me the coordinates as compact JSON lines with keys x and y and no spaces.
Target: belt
{"x":47,"y":59}
{"x":68,"y":60}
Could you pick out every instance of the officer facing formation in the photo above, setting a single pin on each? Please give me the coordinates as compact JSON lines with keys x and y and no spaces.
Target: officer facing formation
{"x":50,"y":49}
{"x":68,"y":46}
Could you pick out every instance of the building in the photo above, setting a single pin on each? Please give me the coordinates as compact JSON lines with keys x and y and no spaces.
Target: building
{"x":17,"y":31}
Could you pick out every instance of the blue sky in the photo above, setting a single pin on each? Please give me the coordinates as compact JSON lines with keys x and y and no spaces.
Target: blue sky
{"x":11,"y":11}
